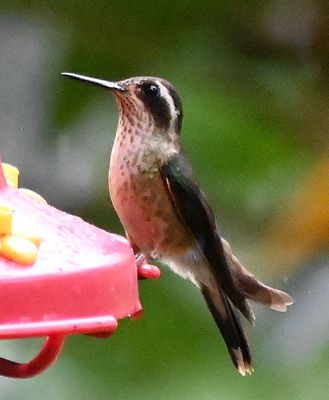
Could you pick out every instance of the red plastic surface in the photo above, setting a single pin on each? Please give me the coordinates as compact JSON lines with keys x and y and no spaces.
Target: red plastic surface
{"x":46,"y":356}
{"x":148,"y":271}
{"x":83,"y":280}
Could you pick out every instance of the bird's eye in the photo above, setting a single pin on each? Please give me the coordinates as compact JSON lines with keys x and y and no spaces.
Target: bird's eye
{"x":150,"y":90}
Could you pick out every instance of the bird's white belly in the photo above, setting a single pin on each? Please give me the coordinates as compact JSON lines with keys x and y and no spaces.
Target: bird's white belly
{"x":190,"y":265}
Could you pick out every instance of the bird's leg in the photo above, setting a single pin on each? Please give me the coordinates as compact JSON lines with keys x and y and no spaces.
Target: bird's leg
{"x":140,"y":259}
{"x":139,"y":256}
{"x":254,"y":289}
{"x":144,"y":269}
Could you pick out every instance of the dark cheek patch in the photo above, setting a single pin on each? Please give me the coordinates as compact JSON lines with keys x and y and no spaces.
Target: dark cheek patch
{"x":159,"y":109}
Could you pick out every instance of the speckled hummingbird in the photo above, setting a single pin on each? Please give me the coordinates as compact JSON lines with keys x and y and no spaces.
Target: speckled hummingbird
{"x":165,"y":214}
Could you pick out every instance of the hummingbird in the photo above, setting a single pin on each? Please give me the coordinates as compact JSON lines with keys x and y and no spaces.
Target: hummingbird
{"x":166,"y":215}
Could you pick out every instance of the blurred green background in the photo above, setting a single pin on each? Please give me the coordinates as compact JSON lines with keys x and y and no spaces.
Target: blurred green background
{"x":253,"y":76}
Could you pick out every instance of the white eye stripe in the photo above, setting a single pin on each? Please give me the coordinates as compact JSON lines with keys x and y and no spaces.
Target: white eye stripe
{"x":164,"y":92}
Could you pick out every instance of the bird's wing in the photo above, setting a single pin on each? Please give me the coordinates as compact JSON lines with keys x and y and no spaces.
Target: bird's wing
{"x":191,"y":206}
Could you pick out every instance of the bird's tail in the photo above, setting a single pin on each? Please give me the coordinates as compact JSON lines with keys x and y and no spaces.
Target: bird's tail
{"x":254,"y":289}
{"x":228,"y":322}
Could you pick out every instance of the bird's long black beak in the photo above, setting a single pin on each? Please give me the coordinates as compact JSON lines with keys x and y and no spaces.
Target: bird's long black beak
{"x":94,"y":81}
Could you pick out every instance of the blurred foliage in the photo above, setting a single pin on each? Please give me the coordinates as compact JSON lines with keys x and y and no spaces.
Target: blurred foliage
{"x":253,"y":76}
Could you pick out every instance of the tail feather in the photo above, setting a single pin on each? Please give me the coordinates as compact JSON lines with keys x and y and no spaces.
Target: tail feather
{"x":228,"y":322}
{"x":274,"y":298}
{"x":254,"y":289}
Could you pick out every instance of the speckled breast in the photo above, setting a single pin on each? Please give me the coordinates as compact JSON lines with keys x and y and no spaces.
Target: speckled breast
{"x":142,"y":203}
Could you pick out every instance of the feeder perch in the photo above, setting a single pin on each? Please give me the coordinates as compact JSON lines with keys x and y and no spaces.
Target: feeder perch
{"x":82,"y":280}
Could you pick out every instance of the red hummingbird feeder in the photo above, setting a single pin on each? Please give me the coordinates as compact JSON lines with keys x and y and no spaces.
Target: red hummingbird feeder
{"x":59,"y":275}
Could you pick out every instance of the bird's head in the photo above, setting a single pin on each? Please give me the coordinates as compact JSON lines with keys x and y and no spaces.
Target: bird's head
{"x":149,"y":101}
